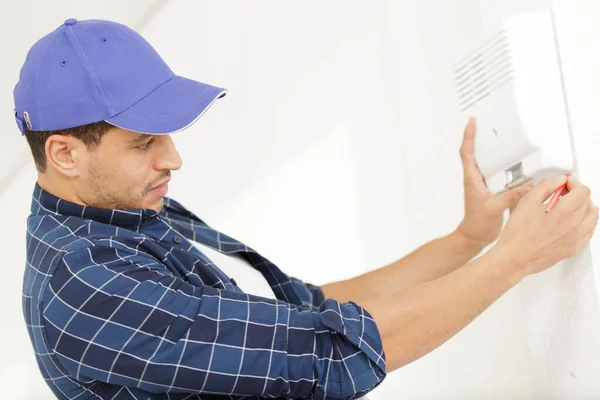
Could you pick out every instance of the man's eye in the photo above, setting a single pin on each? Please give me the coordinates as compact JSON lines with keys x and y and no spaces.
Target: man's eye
{"x":144,"y":146}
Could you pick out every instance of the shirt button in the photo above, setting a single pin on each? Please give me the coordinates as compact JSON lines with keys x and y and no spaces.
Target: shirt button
{"x":71,"y":21}
{"x":233,"y":281}
{"x":381,"y":374}
{"x":177,"y":239}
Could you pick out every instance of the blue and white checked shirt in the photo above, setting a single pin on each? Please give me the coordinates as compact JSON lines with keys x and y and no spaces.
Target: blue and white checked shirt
{"x":121,"y":305}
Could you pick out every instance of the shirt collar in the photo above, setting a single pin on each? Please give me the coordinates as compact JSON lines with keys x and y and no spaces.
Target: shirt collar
{"x":44,"y":203}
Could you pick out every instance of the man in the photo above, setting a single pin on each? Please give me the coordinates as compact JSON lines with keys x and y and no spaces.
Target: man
{"x":128,"y":295}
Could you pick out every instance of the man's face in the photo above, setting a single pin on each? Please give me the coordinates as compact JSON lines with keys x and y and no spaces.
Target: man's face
{"x":128,"y":170}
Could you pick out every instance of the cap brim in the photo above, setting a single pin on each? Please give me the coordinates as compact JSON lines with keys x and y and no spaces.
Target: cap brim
{"x":171,"y":107}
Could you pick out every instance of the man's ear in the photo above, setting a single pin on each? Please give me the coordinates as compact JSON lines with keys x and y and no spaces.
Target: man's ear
{"x":65,"y":154}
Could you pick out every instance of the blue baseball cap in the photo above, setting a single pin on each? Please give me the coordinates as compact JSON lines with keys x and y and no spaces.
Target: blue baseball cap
{"x":96,"y":70}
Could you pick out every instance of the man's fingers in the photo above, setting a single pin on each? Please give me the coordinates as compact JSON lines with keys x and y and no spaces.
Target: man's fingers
{"x":467,"y":149}
{"x":545,"y":188}
{"x":580,"y":213}
{"x":588,"y":235}
{"x":578,"y":196}
{"x":590,"y":219}
{"x":510,"y":198}
{"x":573,"y":183}
{"x":472,"y":173}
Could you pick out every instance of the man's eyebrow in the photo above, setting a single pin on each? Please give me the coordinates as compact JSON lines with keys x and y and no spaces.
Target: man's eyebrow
{"x":140,"y":138}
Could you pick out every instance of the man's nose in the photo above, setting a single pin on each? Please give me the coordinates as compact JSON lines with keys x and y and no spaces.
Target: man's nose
{"x":168,"y":156}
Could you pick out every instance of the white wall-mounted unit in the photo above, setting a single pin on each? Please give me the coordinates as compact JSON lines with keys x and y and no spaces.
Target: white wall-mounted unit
{"x":511,"y":82}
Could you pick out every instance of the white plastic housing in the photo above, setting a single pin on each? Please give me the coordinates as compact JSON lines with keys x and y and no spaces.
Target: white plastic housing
{"x":511,"y":83}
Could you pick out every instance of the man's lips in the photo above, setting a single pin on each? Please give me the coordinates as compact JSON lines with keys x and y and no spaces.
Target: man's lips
{"x":161,"y":189}
{"x":161,"y":184}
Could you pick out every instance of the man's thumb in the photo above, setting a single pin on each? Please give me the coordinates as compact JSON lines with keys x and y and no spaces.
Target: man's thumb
{"x":510,"y":198}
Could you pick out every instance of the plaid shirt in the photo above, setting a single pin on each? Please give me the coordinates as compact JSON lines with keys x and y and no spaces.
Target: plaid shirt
{"x":121,"y":305}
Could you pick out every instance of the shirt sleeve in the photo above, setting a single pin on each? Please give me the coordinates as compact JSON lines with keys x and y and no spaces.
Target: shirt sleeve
{"x":311,"y":295}
{"x":125,"y":319}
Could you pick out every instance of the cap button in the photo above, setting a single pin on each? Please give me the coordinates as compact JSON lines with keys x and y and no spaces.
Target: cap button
{"x":71,"y":21}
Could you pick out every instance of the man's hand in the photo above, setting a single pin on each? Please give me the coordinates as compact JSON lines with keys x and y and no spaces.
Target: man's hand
{"x":537,"y":240}
{"x":484,"y":211}
{"x":481,"y":225}
{"x":430,"y":313}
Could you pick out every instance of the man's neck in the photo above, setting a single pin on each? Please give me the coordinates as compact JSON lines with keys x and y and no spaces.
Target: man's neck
{"x":62,"y":190}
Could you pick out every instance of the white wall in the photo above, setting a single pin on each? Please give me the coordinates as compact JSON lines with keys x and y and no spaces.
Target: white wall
{"x":331,"y":155}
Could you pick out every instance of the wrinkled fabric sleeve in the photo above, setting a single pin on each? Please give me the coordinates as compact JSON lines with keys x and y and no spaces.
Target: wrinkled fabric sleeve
{"x":311,"y":295}
{"x":124,"y":319}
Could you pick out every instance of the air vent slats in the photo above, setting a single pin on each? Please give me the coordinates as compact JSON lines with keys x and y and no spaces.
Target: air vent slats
{"x":483,"y":71}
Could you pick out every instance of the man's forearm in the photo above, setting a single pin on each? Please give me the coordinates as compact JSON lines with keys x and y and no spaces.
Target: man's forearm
{"x":416,"y":321}
{"x":430,"y":261}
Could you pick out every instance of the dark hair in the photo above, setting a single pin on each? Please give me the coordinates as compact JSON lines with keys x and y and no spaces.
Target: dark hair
{"x":90,"y":135}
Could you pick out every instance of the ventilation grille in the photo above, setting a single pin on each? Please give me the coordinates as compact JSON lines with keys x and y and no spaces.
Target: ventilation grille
{"x":483,"y":71}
